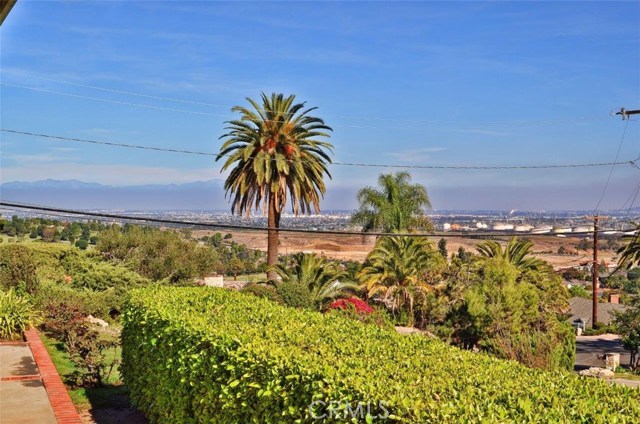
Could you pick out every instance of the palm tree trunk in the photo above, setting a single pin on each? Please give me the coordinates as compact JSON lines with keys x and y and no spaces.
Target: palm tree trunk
{"x":272,"y":237}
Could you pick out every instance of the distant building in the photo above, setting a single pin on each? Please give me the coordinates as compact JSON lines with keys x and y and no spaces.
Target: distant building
{"x":581,"y":309}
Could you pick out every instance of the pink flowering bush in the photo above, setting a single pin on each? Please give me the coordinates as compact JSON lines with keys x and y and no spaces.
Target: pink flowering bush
{"x":359,"y":305}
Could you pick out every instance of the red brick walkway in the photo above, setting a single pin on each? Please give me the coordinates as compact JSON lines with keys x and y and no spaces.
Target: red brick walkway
{"x":63,"y":408}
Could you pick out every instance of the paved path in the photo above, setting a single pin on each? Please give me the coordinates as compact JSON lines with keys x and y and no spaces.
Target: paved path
{"x":588,"y":347}
{"x":31,"y":391}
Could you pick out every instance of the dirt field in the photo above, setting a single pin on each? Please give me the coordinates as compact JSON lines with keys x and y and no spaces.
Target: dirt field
{"x":357,"y":247}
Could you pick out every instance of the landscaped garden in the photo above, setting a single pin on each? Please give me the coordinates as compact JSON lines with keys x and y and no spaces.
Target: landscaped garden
{"x":202,"y":355}
{"x":316,"y":342}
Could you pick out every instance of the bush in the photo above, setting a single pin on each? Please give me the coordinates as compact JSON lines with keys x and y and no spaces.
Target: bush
{"x":16,"y":315}
{"x":55,"y":297}
{"x":212,"y":355}
{"x":82,"y":244}
{"x":379,"y":316}
{"x":89,"y":272}
{"x":94,"y":354}
{"x":295,"y":295}
{"x":358,"y":305}
{"x":18,"y":269}
{"x":601,"y":328}
{"x":262,"y":290}
{"x":580,"y":291}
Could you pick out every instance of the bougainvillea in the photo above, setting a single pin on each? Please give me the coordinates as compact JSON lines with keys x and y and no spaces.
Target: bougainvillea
{"x":360,"y":305}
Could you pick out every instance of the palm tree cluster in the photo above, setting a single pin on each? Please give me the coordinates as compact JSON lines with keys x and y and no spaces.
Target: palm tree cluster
{"x":275,"y":152}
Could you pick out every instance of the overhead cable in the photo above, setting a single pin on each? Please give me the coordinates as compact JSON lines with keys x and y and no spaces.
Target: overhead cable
{"x":357,"y":164}
{"x":606,"y":186}
{"x":229,"y":116}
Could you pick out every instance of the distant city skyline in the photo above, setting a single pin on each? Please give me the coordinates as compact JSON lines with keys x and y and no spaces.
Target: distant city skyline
{"x":404,"y":83}
{"x":209,"y":195}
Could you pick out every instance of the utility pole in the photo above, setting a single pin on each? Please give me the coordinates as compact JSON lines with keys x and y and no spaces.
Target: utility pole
{"x":5,"y":8}
{"x":594,"y":312}
{"x":625,"y":113}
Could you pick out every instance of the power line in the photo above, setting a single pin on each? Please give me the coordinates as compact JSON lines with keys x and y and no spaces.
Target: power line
{"x":606,"y":186}
{"x":75,"y":212}
{"x":373,"y":165}
{"x":228,"y":107}
{"x":633,"y":201}
{"x":108,"y":143}
{"x":167,"y":109}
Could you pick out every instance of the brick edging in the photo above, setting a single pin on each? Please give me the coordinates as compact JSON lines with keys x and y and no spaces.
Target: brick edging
{"x":35,"y":377}
{"x":63,"y":409}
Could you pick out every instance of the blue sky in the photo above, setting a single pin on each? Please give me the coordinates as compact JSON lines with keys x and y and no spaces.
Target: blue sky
{"x":420,"y":83}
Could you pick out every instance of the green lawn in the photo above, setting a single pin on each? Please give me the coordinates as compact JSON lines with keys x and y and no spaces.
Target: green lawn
{"x":628,"y":376}
{"x":252,"y":278}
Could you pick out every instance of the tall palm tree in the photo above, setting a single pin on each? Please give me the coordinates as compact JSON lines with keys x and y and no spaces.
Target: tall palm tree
{"x":516,"y":252}
{"x":396,"y":206}
{"x":324,"y":280}
{"x":396,"y":271}
{"x":274,"y":151}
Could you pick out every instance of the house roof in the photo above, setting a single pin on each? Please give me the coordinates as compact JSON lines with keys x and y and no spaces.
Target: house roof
{"x":581,"y":308}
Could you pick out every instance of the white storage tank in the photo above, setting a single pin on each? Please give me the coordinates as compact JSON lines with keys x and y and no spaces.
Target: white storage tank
{"x":543,"y":229}
{"x":562,"y":230}
{"x":522,"y":228}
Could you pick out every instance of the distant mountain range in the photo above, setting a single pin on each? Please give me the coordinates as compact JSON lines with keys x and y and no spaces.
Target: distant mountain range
{"x":207,"y":195}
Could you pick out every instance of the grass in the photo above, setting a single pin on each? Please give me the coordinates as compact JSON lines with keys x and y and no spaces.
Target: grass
{"x":251,"y":278}
{"x":628,"y":376}
{"x":113,"y":395}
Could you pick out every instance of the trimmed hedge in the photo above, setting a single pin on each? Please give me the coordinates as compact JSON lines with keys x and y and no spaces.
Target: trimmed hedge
{"x":196,"y":355}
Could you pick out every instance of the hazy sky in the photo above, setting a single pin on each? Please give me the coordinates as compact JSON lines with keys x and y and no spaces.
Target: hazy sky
{"x":420,"y":83}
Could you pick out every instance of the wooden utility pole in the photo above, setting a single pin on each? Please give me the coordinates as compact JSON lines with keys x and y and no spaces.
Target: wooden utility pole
{"x":625,"y":113}
{"x":594,"y":312}
{"x":5,"y":8}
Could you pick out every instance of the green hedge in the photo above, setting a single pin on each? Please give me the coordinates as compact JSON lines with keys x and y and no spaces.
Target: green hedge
{"x":196,"y":355}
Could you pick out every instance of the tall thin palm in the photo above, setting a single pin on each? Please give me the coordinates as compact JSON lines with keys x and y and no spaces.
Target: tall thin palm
{"x":324,"y":280}
{"x":396,"y":270}
{"x":274,"y":151}
{"x":397,"y":205}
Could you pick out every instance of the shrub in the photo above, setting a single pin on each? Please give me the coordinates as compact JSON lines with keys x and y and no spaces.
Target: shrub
{"x":262,"y":290}
{"x":212,"y":355}
{"x":18,"y":268}
{"x":295,"y":295}
{"x":379,"y":316}
{"x":91,"y":353}
{"x":55,"y":297}
{"x":359,"y":305}
{"x":579,"y":291}
{"x":82,"y":244}
{"x":16,"y":315}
